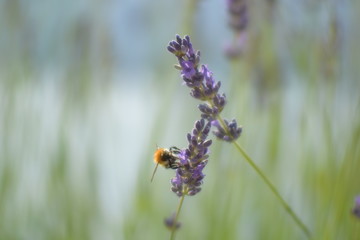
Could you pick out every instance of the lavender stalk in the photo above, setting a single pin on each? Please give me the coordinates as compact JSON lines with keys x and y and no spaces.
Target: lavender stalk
{"x":204,"y":88}
{"x":174,"y":224}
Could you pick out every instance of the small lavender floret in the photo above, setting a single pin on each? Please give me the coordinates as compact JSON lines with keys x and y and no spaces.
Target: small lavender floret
{"x":356,"y":209}
{"x":193,"y":159}
{"x":188,"y":70}
{"x":230,"y":133}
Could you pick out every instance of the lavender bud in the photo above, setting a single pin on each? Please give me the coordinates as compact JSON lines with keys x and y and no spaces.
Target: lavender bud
{"x":178,"y":39}
{"x":205,"y":108}
{"x":207,"y":143}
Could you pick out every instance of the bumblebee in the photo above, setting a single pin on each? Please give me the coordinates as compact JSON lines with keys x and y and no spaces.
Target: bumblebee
{"x":168,"y":158}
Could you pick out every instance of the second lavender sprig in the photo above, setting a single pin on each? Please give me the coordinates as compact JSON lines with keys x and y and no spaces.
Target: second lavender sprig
{"x":193,"y":159}
{"x":189,"y":174}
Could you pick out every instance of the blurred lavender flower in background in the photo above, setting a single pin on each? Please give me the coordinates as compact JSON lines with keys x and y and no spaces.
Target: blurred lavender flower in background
{"x":238,"y":14}
{"x":170,"y":222}
{"x":189,"y":175}
{"x":203,"y":87}
{"x":356,"y":209}
{"x":238,"y":21}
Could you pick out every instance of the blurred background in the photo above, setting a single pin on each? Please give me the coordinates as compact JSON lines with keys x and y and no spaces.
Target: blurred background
{"x":88,"y":90}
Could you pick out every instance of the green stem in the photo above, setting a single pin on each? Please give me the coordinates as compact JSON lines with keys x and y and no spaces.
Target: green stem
{"x":173,"y":228}
{"x":269,"y":184}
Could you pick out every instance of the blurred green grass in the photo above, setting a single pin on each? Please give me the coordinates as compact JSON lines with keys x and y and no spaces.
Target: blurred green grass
{"x":77,"y":139}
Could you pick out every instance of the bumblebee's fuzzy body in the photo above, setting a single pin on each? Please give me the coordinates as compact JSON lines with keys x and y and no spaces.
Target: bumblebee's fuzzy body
{"x":166,"y":158}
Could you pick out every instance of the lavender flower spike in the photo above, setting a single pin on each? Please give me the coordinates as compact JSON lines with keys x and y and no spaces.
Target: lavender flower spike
{"x":199,"y":78}
{"x":189,"y":175}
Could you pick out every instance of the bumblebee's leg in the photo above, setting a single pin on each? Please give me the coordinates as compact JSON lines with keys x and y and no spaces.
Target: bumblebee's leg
{"x":175,"y":150}
{"x":173,"y":163}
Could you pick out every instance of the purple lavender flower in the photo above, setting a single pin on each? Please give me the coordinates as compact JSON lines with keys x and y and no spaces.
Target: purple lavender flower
{"x":188,"y":70}
{"x":356,"y":209}
{"x":189,"y":175}
{"x":203,"y":86}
